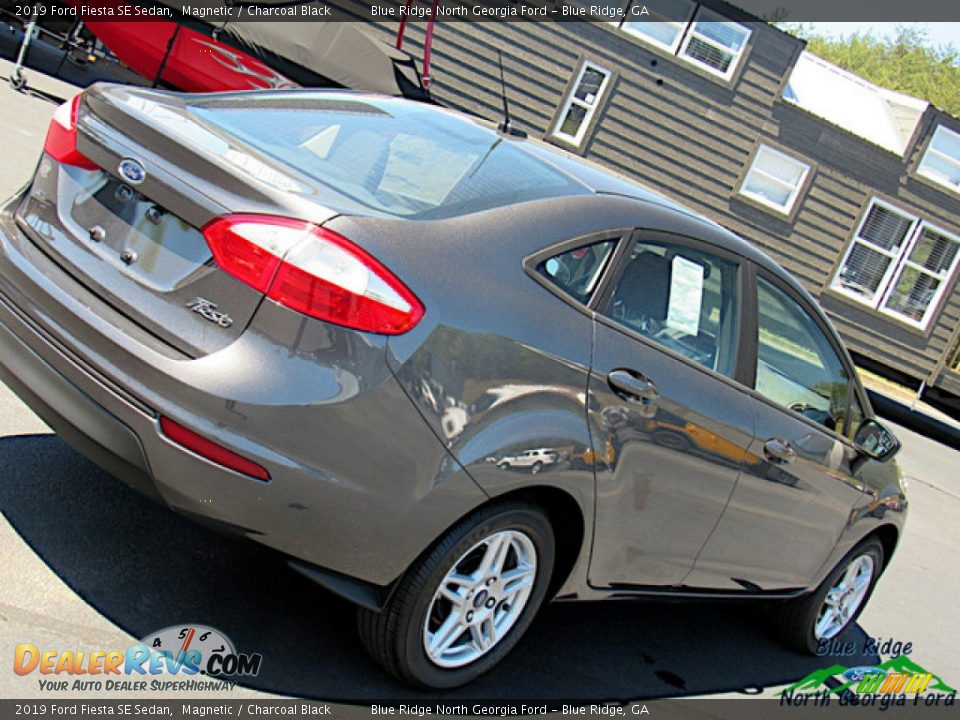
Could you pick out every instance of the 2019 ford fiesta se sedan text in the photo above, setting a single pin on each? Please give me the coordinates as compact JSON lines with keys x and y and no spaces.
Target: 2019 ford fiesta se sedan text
{"x":449,"y":372}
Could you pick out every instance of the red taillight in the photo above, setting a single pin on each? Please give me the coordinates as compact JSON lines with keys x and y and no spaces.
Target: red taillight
{"x":250,"y":249}
{"x":210,"y":450}
{"x":61,"y":142}
{"x":313,"y":271}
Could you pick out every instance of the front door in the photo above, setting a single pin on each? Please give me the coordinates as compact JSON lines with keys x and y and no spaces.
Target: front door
{"x":800,"y":482}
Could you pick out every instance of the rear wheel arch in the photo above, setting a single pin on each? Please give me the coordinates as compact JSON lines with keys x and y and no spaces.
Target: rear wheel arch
{"x":425,"y":616}
{"x":566,"y":517}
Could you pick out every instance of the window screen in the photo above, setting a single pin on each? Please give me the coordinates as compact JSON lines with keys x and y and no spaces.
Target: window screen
{"x":714,"y":43}
{"x":664,"y":21}
{"x":898,"y":264}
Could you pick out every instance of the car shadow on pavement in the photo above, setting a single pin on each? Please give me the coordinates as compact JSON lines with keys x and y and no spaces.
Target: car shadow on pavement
{"x":145,"y":568}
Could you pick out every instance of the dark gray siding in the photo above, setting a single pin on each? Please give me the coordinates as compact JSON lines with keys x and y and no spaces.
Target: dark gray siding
{"x":690,"y":136}
{"x":850,"y":171}
{"x":949,"y":378}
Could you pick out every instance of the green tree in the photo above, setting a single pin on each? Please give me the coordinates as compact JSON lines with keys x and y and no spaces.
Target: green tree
{"x":906,"y":62}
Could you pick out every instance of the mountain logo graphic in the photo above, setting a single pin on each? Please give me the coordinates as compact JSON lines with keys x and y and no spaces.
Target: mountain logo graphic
{"x":896,"y":675}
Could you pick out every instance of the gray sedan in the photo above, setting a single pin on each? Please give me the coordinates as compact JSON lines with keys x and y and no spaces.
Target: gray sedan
{"x":448,"y":372}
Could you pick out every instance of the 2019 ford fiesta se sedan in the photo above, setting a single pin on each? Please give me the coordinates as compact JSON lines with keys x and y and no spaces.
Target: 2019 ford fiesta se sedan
{"x":449,"y":372}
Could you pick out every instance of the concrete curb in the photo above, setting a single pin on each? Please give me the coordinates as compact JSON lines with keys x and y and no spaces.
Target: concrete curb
{"x":919,"y":422}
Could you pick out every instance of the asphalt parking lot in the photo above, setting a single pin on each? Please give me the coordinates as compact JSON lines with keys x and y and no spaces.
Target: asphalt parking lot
{"x":86,"y":562}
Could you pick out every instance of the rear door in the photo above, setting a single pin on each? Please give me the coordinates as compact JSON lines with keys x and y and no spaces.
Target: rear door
{"x":669,"y":423}
{"x":795,"y":495}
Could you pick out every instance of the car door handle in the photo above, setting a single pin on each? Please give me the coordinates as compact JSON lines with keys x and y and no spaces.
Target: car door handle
{"x":633,"y":386}
{"x":778,"y":450}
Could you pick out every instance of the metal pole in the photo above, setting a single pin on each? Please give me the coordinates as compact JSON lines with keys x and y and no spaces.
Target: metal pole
{"x":17,"y":80}
{"x":428,"y":45}
{"x":923,"y":386}
{"x":67,"y":45}
{"x":403,"y":25}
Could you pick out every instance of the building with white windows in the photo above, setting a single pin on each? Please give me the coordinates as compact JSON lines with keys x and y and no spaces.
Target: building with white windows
{"x":853,"y":188}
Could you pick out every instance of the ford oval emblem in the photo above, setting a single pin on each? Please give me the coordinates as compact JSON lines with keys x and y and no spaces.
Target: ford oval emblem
{"x":132,"y":171}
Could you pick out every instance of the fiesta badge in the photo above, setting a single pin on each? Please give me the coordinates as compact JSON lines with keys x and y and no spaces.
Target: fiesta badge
{"x":132,"y":171}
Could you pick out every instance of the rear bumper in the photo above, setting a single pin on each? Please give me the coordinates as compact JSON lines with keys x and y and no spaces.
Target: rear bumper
{"x":359,"y":485}
{"x":75,"y":417}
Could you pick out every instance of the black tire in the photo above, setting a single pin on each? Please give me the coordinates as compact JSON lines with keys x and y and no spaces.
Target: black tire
{"x":537,"y":467}
{"x":795,"y":620}
{"x":394,"y":637}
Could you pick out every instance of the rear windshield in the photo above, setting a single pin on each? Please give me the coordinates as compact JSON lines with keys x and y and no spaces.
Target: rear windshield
{"x":393,"y":156}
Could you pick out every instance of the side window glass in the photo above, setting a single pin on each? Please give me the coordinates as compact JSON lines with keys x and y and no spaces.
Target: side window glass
{"x":797,"y":366}
{"x":682,"y":299}
{"x":577,"y":272}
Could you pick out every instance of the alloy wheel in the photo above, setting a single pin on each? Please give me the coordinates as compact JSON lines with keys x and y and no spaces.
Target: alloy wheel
{"x":480,"y":599}
{"x":844,"y":599}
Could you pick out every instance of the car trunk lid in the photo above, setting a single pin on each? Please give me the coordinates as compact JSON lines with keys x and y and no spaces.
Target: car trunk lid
{"x":131,"y":230}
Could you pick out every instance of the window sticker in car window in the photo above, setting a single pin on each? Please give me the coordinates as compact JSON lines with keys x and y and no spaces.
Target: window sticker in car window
{"x":686,"y":296}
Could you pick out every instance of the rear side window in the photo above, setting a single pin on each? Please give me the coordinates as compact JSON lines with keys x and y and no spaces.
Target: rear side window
{"x":577,"y":272}
{"x":397,"y":157}
{"x":682,"y":299}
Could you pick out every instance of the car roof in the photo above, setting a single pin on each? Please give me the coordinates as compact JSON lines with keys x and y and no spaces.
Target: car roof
{"x":605,"y":182}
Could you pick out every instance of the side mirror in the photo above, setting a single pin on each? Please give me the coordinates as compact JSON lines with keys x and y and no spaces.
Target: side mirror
{"x":875,"y":441}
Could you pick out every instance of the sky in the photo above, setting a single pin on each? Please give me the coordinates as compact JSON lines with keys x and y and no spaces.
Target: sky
{"x":940,"y":33}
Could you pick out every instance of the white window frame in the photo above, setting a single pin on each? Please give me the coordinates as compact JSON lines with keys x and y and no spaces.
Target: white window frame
{"x":905,"y":262}
{"x":572,"y":99}
{"x":687,"y":31}
{"x":672,"y":48}
{"x":949,"y":159}
{"x":681,"y":27}
{"x":899,"y":260}
{"x":875,"y":300}
{"x":692,"y":32}
{"x":795,"y":190}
